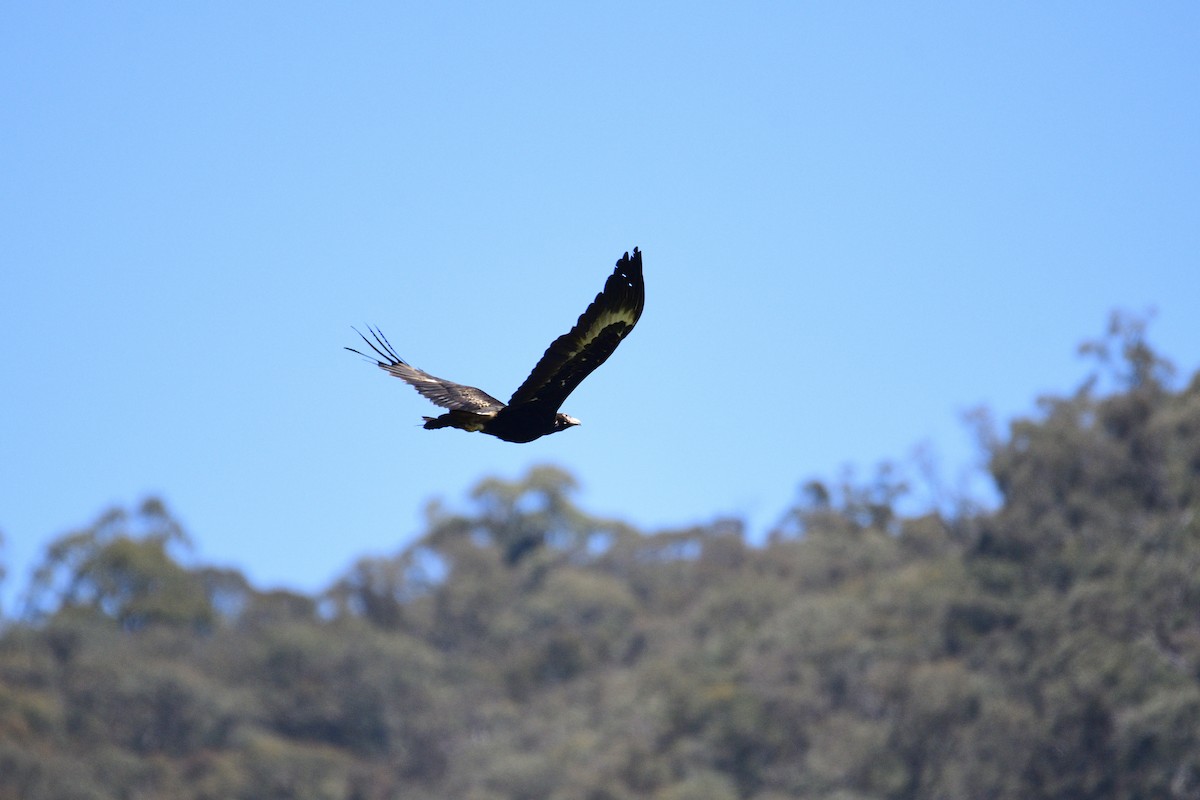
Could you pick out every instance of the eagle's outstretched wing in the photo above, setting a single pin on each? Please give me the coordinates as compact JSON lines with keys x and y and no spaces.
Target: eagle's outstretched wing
{"x":574,"y":355}
{"x":447,"y":394}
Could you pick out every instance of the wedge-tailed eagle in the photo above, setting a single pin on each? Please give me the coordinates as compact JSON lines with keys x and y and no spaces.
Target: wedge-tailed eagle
{"x":533,"y":410}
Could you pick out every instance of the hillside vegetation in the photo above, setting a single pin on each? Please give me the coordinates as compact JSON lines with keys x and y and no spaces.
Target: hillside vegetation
{"x":1045,"y":648}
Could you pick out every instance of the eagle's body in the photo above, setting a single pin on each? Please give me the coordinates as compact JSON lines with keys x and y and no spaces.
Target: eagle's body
{"x":533,"y":410}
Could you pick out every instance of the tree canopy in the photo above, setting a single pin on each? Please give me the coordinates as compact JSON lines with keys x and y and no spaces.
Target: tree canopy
{"x":1048,"y":647}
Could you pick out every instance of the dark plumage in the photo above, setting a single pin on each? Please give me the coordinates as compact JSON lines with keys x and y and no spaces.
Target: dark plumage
{"x":533,"y":410}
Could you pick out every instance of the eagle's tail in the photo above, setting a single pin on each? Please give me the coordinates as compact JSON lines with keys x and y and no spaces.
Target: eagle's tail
{"x":457,"y":418}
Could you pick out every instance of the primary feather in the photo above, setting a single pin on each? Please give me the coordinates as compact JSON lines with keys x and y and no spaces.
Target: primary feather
{"x":444,"y":393}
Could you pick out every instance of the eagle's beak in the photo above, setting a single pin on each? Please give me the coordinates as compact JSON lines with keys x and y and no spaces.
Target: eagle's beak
{"x":571,"y":420}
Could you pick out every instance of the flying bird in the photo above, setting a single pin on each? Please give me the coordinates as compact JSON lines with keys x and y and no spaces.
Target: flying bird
{"x":532,"y":412}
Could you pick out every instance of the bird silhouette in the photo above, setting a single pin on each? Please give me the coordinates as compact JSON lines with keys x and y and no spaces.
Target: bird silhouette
{"x":532,"y":412}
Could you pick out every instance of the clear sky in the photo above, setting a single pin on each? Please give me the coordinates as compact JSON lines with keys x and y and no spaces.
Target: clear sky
{"x":859,"y":220}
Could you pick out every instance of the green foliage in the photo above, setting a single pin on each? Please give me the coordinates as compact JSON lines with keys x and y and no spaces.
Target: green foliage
{"x":1048,"y":648}
{"x":120,"y":568}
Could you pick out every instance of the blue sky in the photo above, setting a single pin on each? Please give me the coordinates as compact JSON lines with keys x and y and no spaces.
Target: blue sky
{"x":858,"y":221}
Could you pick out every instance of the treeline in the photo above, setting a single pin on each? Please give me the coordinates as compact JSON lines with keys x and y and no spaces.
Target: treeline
{"x":1047,"y":648}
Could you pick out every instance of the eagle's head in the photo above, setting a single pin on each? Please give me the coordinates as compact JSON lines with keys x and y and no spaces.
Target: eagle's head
{"x":563,"y":421}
